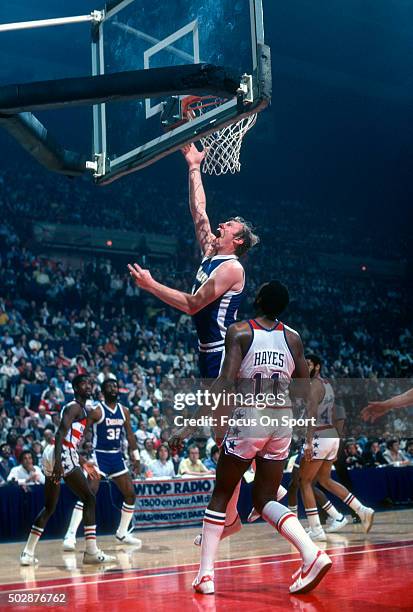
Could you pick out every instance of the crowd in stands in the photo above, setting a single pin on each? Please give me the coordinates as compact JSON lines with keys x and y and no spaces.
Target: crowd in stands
{"x":59,"y":319}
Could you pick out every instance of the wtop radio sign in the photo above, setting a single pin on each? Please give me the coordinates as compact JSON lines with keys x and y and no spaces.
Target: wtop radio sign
{"x":172,"y":503}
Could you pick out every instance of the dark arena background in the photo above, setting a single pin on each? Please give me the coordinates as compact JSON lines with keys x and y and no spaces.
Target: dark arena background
{"x":91,"y":181}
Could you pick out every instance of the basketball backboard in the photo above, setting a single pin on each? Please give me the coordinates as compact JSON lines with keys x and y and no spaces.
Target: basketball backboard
{"x":145,"y":34}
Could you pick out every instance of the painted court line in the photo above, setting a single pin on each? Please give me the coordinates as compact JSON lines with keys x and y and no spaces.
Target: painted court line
{"x":179,"y":572}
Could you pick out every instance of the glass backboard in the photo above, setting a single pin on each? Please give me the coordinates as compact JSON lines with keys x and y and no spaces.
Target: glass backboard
{"x":145,"y":34}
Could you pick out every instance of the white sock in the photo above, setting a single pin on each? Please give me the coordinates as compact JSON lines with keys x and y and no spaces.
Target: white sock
{"x":290,"y":528}
{"x":76,"y":519}
{"x":313,"y":518}
{"x":125,"y":518}
{"x":90,"y":538}
{"x":35,"y":535}
{"x":214,"y":523}
{"x":281,"y":492}
{"x":332,"y":510}
{"x":293,"y":509}
{"x":354,"y":503}
{"x":231,"y":512}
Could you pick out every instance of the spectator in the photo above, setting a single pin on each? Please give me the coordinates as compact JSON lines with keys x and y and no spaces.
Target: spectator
{"x":211,"y":462}
{"x":192,"y":465}
{"x":162,"y":466}
{"x":353,"y":456}
{"x":43,"y":419}
{"x":393,"y":455}
{"x":7,"y":460}
{"x":53,"y":391}
{"x":26,"y":473}
{"x":409,"y":451}
{"x":373,"y":457}
{"x":148,"y":454}
{"x":142,"y":434}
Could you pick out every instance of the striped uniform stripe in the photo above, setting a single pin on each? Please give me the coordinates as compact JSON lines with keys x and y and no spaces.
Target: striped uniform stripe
{"x":216,"y":518}
{"x":282,"y":520}
{"x":36,"y":531}
{"x":311,"y":511}
{"x":90,"y":533}
{"x":349,"y":499}
{"x":127,"y":508}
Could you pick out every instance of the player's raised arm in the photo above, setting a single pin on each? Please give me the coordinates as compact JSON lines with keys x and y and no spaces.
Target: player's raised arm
{"x":72,"y":412}
{"x":374,"y":410}
{"x":197,"y":198}
{"x":231,"y":276}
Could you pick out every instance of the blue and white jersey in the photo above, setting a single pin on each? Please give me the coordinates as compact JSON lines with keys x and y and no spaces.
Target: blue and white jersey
{"x":107,"y":431}
{"x":212,"y":321}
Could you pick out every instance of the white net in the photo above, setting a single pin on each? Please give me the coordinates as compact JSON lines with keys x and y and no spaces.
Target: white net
{"x":223,"y":147}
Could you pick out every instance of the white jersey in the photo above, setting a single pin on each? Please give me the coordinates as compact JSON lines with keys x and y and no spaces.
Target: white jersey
{"x":325,"y":409}
{"x":76,"y":430}
{"x":268,"y":358}
{"x":263,"y":431}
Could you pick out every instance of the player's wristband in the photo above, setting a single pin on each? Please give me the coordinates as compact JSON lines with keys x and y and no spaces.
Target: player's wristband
{"x":136,"y":454}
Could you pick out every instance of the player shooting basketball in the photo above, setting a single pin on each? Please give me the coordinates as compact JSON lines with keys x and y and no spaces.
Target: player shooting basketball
{"x":219,"y":284}
{"x":218,"y":288}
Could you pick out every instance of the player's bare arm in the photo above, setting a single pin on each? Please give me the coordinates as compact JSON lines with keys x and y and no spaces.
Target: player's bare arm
{"x":237,"y":340}
{"x":132,"y":444}
{"x":94,"y":415}
{"x":72,"y":412}
{"x":374,"y":410}
{"x":229,"y":277}
{"x":197,"y":199}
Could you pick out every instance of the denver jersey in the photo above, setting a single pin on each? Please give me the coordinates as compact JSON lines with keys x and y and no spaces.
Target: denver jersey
{"x":326,"y":406}
{"x":212,"y":321}
{"x":107,"y":431}
{"x":268,"y":358}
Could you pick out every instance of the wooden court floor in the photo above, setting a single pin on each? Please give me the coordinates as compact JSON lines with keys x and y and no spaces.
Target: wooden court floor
{"x":253,"y":572}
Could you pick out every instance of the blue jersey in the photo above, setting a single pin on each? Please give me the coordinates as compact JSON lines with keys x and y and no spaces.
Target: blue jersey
{"x":212,"y":321}
{"x":108,"y":430}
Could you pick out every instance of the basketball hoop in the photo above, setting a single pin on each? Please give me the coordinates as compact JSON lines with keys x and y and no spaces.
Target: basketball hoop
{"x":222,"y":148}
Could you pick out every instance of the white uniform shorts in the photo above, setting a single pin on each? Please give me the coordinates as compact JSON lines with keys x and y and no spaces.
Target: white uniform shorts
{"x":259,"y":433}
{"x":325,"y":444}
{"x":70,"y":460}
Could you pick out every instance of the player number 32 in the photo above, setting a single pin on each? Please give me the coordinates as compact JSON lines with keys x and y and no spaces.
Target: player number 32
{"x":113,"y":434}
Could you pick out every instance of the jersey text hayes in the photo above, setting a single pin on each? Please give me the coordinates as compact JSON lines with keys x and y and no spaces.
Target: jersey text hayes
{"x":269,"y":358}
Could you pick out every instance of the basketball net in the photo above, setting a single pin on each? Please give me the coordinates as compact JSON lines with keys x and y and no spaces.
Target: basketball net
{"x":222,"y":148}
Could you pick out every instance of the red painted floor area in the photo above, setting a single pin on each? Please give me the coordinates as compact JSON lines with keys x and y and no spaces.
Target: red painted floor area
{"x":373,"y":576}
